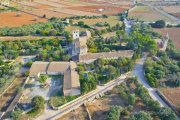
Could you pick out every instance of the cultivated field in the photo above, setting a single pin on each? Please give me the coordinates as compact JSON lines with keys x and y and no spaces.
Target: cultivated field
{"x":110,"y":2}
{"x":10,"y":19}
{"x":112,"y":20}
{"x":66,"y":8}
{"x":173,"y":94}
{"x":109,"y":10}
{"x":174,"y":10}
{"x":173,"y":34}
{"x":146,"y":13}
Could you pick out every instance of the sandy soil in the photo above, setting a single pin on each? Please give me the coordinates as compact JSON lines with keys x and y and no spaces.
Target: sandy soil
{"x":78,"y":114}
{"x":10,"y":19}
{"x":7,"y":98}
{"x":173,"y":34}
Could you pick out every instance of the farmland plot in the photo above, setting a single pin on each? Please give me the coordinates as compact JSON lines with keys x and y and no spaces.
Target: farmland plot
{"x":174,"y":10}
{"x":11,"y":19}
{"x":173,"y":34}
{"x":99,"y":9}
{"x":146,"y":13}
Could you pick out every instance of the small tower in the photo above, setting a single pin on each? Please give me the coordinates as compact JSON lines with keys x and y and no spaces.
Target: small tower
{"x":75,"y":34}
{"x":133,"y":2}
{"x":167,"y":36}
{"x":67,"y":21}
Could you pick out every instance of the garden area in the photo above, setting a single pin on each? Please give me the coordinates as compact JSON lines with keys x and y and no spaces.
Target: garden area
{"x":103,"y":71}
{"x":45,"y":49}
{"x":129,"y":101}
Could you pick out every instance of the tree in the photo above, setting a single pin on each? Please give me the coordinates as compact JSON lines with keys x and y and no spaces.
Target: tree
{"x":16,"y":114}
{"x":81,"y":23}
{"x":114,"y":113}
{"x":166,"y":114}
{"x":100,"y":62}
{"x":132,"y":99}
{"x":68,"y":37}
{"x":141,"y":116}
{"x":159,"y":24}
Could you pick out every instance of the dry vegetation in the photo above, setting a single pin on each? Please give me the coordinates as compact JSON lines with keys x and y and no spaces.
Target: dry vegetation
{"x":112,"y":20}
{"x":146,"y":14}
{"x":174,"y":10}
{"x":173,"y":94}
{"x":173,"y":34}
{"x":109,"y":10}
{"x":78,"y":114}
{"x":6,"y":99}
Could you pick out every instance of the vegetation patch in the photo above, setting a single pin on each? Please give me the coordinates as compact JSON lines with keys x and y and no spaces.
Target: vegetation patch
{"x":58,"y":101}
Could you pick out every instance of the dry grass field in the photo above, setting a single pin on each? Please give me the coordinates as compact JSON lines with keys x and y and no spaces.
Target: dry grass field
{"x":173,"y":34}
{"x":10,"y":19}
{"x":112,"y":20}
{"x":173,"y":94}
{"x":145,"y":13}
{"x":109,"y":10}
{"x":173,"y":10}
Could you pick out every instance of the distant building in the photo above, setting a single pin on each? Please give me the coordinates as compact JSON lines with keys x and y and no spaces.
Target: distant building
{"x":71,"y":83}
{"x":163,"y":43}
{"x":67,"y":21}
{"x":79,"y":46}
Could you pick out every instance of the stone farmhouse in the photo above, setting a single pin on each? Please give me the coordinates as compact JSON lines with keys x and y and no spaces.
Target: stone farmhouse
{"x":71,"y":83}
{"x":79,"y":46}
{"x":80,"y":49}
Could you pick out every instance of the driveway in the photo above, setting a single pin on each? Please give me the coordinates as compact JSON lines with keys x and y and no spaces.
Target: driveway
{"x":139,"y":72}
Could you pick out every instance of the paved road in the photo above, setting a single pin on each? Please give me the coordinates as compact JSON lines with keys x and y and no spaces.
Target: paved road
{"x":139,"y":72}
{"x":50,"y":114}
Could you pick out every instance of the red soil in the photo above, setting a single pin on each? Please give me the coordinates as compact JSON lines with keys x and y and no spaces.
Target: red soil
{"x":109,"y":10}
{"x":10,"y":19}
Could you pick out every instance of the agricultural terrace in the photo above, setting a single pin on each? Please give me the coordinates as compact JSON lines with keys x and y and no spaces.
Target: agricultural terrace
{"x":173,"y":34}
{"x":14,"y":19}
{"x":145,"y":13}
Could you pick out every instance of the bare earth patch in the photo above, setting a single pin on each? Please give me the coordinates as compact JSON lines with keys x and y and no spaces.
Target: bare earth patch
{"x":78,"y":114}
{"x":110,"y":10}
{"x":11,"y":20}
